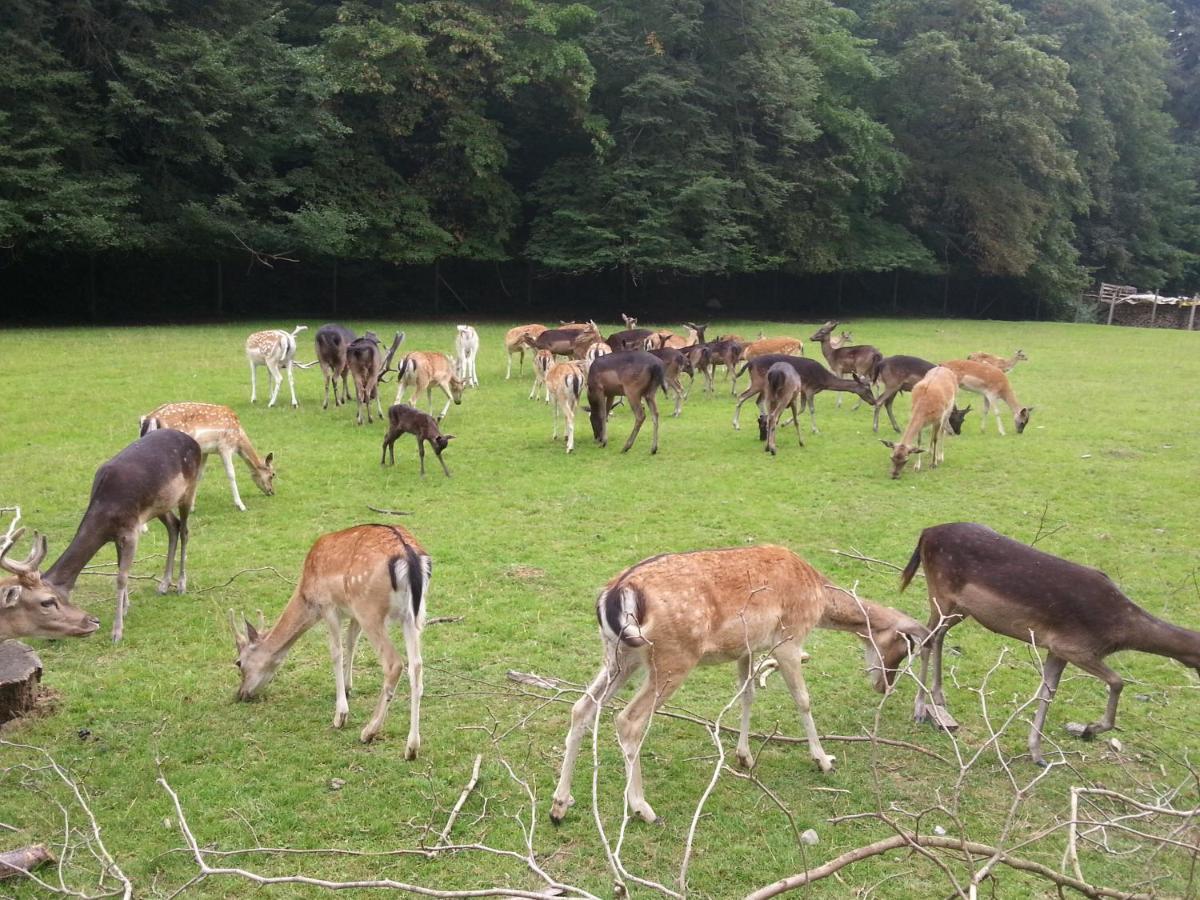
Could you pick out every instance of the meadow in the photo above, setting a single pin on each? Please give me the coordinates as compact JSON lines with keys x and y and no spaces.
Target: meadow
{"x":522,"y":536}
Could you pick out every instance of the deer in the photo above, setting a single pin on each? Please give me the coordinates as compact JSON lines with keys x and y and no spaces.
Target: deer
{"x":155,"y":477}
{"x":368,"y":365}
{"x":366,"y":576}
{"x":407,"y":420}
{"x":701,"y":358}
{"x":896,"y":373}
{"x":781,"y":391}
{"x":218,"y":430}
{"x":932,"y":407}
{"x":1076,"y":613}
{"x":423,"y":371}
{"x":29,"y":607}
{"x":981,"y":378}
{"x":273,"y":349}
{"x":630,"y":322}
{"x":727,"y":352}
{"x":559,"y":341}
{"x":331,"y":342}
{"x":594,"y":352}
{"x":856,"y":362}
{"x":1000,"y":362}
{"x":564,"y":383}
{"x":674,"y":362}
{"x":543,"y":360}
{"x":671,"y":613}
{"x":466,"y":348}
{"x":764,"y":346}
{"x":814,"y":378}
{"x":585,"y":340}
{"x":635,"y":375}
{"x":516,"y":340}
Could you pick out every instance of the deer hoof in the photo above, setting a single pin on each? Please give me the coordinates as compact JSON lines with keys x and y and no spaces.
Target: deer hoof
{"x":181,"y":588}
{"x":826,"y":763}
{"x":340,"y":717}
{"x":163,"y":586}
{"x":745,"y":759}
{"x":410,"y":751}
{"x":1083,"y":732}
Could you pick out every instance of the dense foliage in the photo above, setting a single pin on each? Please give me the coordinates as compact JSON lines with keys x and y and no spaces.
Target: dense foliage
{"x":1045,"y":143}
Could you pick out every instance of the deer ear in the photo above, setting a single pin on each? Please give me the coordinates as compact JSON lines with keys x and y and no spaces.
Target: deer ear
{"x":888,"y":444}
{"x":916,"y":450}
{"x":251,"y":631}
{"x":448,"y":437}
{"x":270,"y":458}
{"x":9,"y":596}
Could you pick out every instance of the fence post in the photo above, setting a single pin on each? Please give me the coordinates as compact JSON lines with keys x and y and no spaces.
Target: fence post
{"x":1154,"y":310}
{"x":1192,"y":314}
{"x":1112,"y":306}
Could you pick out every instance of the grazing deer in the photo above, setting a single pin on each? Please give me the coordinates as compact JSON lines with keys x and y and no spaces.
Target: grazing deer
{"x":1075,"y":612}
{"x":466,"y":348}
{"x":764,"y":346}
{"x":1000,"y":362}
{"x":516,"y":340}
{"x":407,"y":420}
{"x":586,"y":339}
{"x":635,"y":375}
{"x":367,"y":576}
{"x":783,"y":388}
{"x":981,"y":378}
{"x":896,"y":373}
{"x":564,"y":383}
{"x":559,"y":341}
{"x":671,"y":613}
{"x":217,"y":430}
{"x":629,"y":339}
{"x":272,"y":349}
{"x":152,"y":478}
{"x":368,"y":364}
{"x":594,"y":352}
{"x":814,"y":378}
{"x":932,"y":407}
{"x":423,"y":371}
{"x":332,"y":341}
{"x":542,"y":362}
{"x":674,"y":362}
{"x":858,"y":362}
{"x":31,"y":608}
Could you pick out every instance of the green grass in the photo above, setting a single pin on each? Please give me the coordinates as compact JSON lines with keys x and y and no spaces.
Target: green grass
{"x":522,"y":536}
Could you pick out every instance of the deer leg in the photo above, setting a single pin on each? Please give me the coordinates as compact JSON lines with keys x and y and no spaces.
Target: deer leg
{"x":126,"y":548}
{"x":276,"y":380}
{"x":508,"y":373}
{"x":227,"y":461}
{"x":632,"y":724}
{"x":533,"y":389}
{"x":983,"y":417}
{"x":353,"y":632}
{"x":378,"y":402}
{"x":1051,"y":673}
{"x":341,"y":705}
{"x":999,"y":421}
{"x":639,"y":416}
{"x":812,"y":410}
{"x":569,"y":417}
{"x":1115,"y":684}
{"x":185,"y":510}
{"x":450,"y":399}
{"x":171,"y":523}
{"x":412,"y":647}
{"x":790,"y":655}
{"x":742,"y":398}
{"x":325,"y":404}
{"x":438,"y":452}
{"x":389,"y":442}
{"x":291,"y":384}
{"x":653,"y":404}
{"x":393,"y":668}
{"x":796,"y":421}
{"x":677,"y":387}
{"x":421,"y":453}
{"x":253,"y":382}
{"x":613,"y":675}
{"x":745,"y":684}
{"x":554,"y":412}
{"x":939,"y":624}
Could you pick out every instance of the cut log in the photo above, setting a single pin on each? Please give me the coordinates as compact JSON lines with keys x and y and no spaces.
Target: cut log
{"x":17,"y":863}
{"x":20,"y":672}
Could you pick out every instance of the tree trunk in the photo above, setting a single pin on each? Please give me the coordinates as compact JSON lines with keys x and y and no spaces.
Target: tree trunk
{"x":16,"y":863}
{"x":20,"y":672}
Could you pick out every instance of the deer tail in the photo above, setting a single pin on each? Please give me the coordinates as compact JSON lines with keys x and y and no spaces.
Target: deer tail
{"x":914,"y":562}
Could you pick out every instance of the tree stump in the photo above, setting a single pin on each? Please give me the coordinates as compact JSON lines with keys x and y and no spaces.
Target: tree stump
{"x":20,"y":672}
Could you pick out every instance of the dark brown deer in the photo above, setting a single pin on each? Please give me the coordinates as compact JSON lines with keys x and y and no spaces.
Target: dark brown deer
{"x":727,"y":352}
{"x":814,"y":378}
{"x":896,"y":373}
{"x":635,"y":375}
{"x":153,"y":478}
{"x":559,"y":341}
{"x":674,"y":362}
{"x":406,"y":420}
{"x":332,"y":341}
{"x":1075,"y":612}
{"x":368,"y":364}
{"x":30,"y":608}
{"x":782,"y":390}
{"x":857,"y":362}
{"x":629,"y":339}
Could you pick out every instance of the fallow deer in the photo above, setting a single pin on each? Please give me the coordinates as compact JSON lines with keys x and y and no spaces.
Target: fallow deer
{"x":1076,"y":613}
{"x":858,"y":362}
{"x":30,"y":608}
{"x":586,"y":339}
{"x":783,"y":388}
{"x":543,"y":360}
{"x":985,"y":379}
{"x":1000,"y":362}
{"x":423,"y":371}
{"x":630,"y":321}
{"x":932,"y":407}
{"x":331,"y":342}
{"x":273,"y":349}
{"x":516,"y":340}
{"x":629,"y":339}
{"x":765,"y":346}
{"x":559,"y":341}
{"x":367,"y":576}
{"x":368,"y":364}
{"x":674,"y":363}
{"x":671,"y":613}
{"x":727,"y":352}
{"x":635,"y":375}
{"x":594,"y":352}
{"x":896,"y":373}
{"x":218,"y":430}
{"x":814,"y":378}
{"x":564,"y":383}
{"x":407,"y":420}
{"x":466,"y":348}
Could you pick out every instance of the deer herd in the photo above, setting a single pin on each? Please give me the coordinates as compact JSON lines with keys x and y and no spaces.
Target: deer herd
{"x":665,"y":615}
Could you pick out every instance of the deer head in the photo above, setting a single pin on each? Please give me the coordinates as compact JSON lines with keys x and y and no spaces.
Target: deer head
{"x":900,"y":455}
{"x":629,"y":321}
{"x":824,"y":331}
{"x":256,"y":662}
{"x":457,"y":386}
{"x":1022,"y":417}
{"x":886,"y":649}
{"x":31,"y":607}
{"x":264,"y":475}
{"x":956,"y":419}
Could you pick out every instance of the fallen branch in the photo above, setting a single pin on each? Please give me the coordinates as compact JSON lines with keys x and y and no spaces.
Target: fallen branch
{"x":444,"y":620}
{"x":389,"y":512}
{"x":462,"y":798}
{"x":16,"y":863}
{"x":236,"y":575}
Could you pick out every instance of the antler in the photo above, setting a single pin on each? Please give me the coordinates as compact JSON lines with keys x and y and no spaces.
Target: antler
{"x":29,"y":565}
{"x":237,"y":635}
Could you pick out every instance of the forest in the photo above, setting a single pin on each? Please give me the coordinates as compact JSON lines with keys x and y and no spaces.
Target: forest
{"x":164,"y":159}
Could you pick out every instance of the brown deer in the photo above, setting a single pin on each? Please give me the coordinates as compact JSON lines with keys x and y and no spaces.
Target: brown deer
{"x":423,"y":371}
{"x":674,"y":363}
{"x":407,"y":420}
{"x":272,"y":349}
{"x":1002,"y":363}
{"x":764,"y":346}
{"x":932,"y":407}
{"x":565,"y":382}
{"x":981,"y":378}
{"x":727,"y":352}
{"x":29,"y":607}
{"x":814,"y":378}
{"x":635,"y":375}
{"x":586,"y":339}
{"x":559,"y":341}
{"x":216,"y":429}
{"x":671,"y":613}
{"x":153,"y":478}
{"x":1074,"y":612}
{"x":543,"y":360}
{"x":896,"y":373}
{"x":516,"y":340}
{"x":368,"y":364}
{"x":367,"y":576}
{"x":856,"y":362}
{"x":331,"y":342}
{"x":783,"y":388}
{"x":594,"y":352}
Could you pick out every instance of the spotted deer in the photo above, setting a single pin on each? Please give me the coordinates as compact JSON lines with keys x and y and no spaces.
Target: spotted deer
{"x":423,"y":371}
{"x":932,"y":407}
{"x":518,"y":340}
{"x":218,"y":430}
{"x":273,"y":349}
{"x":564,"y":383}
{"x":365,"y":576}
{"x":982,"y":378}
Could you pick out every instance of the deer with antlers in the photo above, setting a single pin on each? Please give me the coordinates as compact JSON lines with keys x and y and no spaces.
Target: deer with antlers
{"x":366,"y":577}
{"x":273,"y":349}
{"x":857,"y":362}
{"x":368,"y":365}
{"x":29,"y":607}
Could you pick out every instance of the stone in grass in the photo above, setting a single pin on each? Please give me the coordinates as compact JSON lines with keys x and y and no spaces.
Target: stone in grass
{"x":336,"y":784}
{"x":810,"y":837}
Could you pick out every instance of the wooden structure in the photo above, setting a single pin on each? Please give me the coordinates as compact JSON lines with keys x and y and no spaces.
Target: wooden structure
{"x":20,"y":673}
{"x":1127,"y":306}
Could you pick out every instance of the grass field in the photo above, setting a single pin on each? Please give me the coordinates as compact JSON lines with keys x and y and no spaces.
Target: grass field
{"x":522,"y":536}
